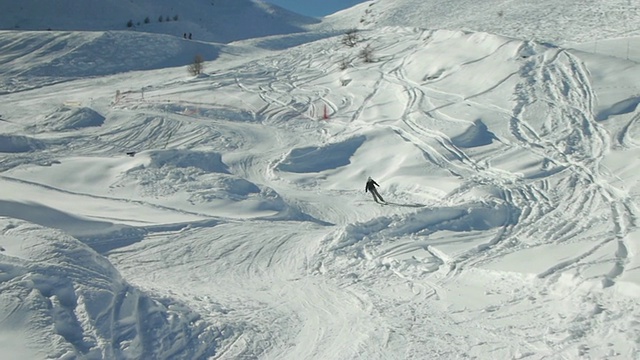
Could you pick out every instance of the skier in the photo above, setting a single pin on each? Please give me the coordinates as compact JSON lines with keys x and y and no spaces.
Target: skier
{"x":371,"y":187}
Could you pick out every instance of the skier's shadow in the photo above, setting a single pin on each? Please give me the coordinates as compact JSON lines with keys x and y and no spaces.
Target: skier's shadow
{"x":406,"y":205}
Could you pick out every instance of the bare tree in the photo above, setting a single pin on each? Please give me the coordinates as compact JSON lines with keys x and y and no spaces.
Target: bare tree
{"x":344,"y":64}
{"x":350,"y":38}
{"x":196,"y":67}
{"x":367,"y":54}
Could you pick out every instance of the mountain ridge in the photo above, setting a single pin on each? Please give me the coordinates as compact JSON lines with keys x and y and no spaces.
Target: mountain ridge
{"x":544,"y":21}
{"x":220,"y":21}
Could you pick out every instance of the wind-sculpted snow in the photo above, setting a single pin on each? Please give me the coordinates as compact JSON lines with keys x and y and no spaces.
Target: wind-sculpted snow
{"x":508,"y":166}
{"x":626,"y":106}
{"x":314,"y":159}
{"x":63,"y":300}
{"x":205,"y":161}
{"x":71,"y":118}
{"x":476,"y":135}
{"x":49,"y":217}
{"x":426,"y":221}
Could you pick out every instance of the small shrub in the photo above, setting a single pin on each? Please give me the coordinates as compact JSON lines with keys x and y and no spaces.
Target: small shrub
{"x":130,"y":23}
{"x":147,"y":20}
{"x":344,"y":64}
{"x":196,"y":67}
{"x":366,"y":54}
{"x":350,"y":38}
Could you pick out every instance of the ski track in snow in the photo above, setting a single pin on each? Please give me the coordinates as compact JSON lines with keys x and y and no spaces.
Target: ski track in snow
{"x":346,"y":284}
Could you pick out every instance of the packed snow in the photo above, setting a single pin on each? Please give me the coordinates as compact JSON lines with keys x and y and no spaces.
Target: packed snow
{"x":146,"y":213}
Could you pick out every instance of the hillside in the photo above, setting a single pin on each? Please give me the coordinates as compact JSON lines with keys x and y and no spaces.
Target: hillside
{"x":558,"y":22}
{"x":219,"y":21}
{"x":147,"y":213}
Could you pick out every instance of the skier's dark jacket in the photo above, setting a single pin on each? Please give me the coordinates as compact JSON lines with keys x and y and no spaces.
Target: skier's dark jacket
{"x":370,"y":185}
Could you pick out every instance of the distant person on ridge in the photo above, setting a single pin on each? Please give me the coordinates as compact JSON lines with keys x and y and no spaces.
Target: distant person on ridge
{"x":371,"y":187}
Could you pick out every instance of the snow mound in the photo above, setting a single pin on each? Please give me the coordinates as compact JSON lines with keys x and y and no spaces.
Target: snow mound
{"x":73,"y":118}
{"x":317,"y":159}
{"x":476,"y":135}
{"x":19,"y":144}
{"x":476,"y":216}
{"x":74,"y":304}
{"x":623,"y":107}
{"x":205,"y":161}
{"x":199,"y":180}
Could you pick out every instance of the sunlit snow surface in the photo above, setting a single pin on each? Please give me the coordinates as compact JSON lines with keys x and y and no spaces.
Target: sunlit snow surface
{"x":154,"y":214}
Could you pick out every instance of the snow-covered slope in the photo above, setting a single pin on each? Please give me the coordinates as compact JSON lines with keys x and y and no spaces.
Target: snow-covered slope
{"x":553,"y":21}
{"x":35,"y":58}
{"x":508,"y":165}
{"x":146,"y":213}
{"x":62,"y":300}
{"x":207,"y":20}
